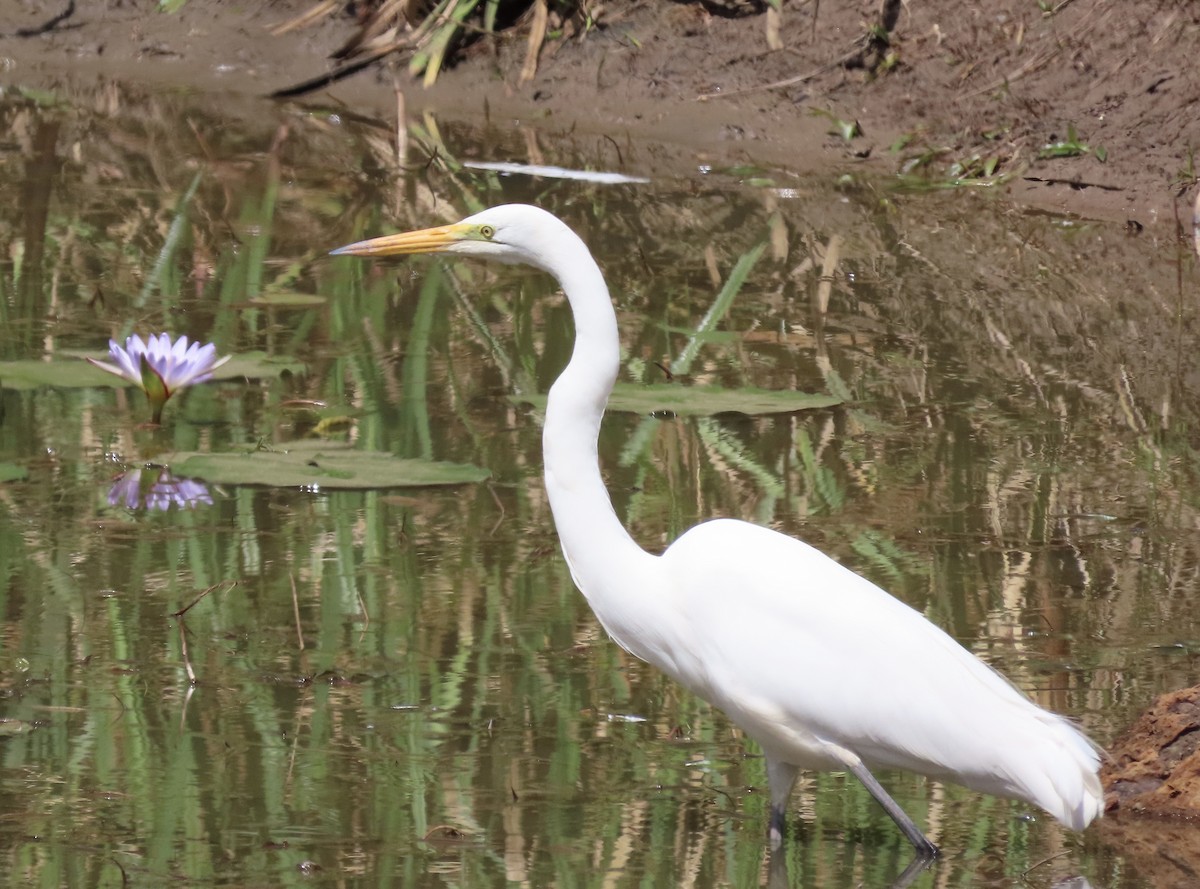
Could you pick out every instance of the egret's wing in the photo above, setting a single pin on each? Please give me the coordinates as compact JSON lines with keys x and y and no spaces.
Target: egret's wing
{"x":798,"y":649}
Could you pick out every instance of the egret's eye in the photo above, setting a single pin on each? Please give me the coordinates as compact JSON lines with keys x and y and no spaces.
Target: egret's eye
{"x":487,"y":231}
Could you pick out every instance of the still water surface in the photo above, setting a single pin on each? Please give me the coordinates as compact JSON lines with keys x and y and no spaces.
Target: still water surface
{"x":400,"y":686}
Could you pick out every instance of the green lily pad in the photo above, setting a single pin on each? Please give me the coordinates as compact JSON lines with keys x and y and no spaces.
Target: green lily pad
{"x":10,"y":728}
{"x":11,"y":472}
{"x":322,"y":464}
{"x":70,"y":371}
{"x":59,"y":374}
{"x":257,"y":366}
{"x":700,"y":401}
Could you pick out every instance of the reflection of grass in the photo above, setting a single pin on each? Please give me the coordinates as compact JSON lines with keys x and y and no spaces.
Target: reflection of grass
{"x":452,"y":674}
{"x":170,"y":246}
{"x":824,"y":491}
{"x":884,"y":554}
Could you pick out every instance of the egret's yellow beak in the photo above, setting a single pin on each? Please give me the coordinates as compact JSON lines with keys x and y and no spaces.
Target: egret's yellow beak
{"x":427,"y":240}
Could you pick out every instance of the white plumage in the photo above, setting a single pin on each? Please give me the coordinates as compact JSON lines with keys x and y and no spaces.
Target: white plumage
{"x":820,"y":666}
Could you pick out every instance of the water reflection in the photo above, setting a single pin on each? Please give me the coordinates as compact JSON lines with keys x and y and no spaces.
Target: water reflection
{"x":157,"y":489}
{"x":1016,"y":458}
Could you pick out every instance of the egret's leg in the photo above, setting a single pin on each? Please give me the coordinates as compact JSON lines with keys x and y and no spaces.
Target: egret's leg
{"x":778,"y":876}
{"x":925,"y":849}
{"x":915,"y":868}
{"x":781,"y":778}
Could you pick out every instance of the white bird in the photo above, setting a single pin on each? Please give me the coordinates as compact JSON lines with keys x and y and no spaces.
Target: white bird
{"x":820,"y":666}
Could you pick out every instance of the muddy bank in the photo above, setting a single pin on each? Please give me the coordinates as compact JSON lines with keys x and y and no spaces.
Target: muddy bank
{"x":1084,"y":106}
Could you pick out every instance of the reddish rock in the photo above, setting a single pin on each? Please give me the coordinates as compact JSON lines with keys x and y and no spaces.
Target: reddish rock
{"x":1155,"y":766}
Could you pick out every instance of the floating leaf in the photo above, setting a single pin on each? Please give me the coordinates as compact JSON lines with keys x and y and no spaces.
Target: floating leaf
{"x":11,"y":472}
{"x":60,"y":374}
{"x":70,"y":371}
{"x":12,"y":727}
{"x":257,"y":366}
{"x":321,"y":464}
{"x":696,"y":401}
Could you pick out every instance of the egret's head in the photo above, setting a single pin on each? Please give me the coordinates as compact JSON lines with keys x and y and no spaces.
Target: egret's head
{"x":508,"y":233}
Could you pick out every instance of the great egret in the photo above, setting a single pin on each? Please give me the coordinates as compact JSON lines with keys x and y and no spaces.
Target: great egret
{"x":820,"y":666}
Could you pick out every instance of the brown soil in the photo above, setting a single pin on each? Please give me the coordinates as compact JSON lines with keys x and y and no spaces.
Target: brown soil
{"x":997,"y":80}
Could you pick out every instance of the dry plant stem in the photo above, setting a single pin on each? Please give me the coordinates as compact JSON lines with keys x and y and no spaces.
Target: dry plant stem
{"x":201,"y":141}
{"x":227,"y":584}
{"x":1039,"y":61}
{"x":362,"y":606}
{"x":537,"y":34}
{"x":532,"y":148}
{"x":1083,"y":30}
{"x":401,"y":140}
{"x":500,"y":508}
{"x":386,"y":18}
{"x":401,"y":125}
{"x":828,"y":270}
{"x":417,"y":38}
{"x":787,"y":81}
{"x":774,"y":26}
{"x":296,"y":612}
{"x":619,"y":15}
{"x":710,"y":265}
{"x":183,"y":647}
{"x":296,"y":735}
{"x":1196,"y":224}
{"x":1058,"y":7}
{"x":889,"y":13}
{"x":187,"y":699}
{"x":310,"y":16}
{"x":1056,"y":855}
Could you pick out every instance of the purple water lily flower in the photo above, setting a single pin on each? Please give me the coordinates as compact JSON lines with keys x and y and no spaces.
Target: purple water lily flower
{"x":161,"y":368}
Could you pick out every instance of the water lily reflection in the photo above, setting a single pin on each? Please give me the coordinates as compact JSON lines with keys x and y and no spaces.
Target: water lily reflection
{"x":157,"y":489}
{"x":161,"y":367}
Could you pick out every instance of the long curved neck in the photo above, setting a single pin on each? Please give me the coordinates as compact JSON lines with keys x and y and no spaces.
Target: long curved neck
{"x":607,"y":565}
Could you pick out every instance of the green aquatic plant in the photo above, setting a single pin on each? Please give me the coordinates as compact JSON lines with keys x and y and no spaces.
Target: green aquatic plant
{"x":321,"y":465}
{"x":848,"y":130}
{"x":1071,"y":147}
{"x":978,"y":170}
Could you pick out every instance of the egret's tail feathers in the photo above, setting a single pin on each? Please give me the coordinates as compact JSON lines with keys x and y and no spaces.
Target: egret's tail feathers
{"x":1075,"y":803}
{"x":1069,"y":787}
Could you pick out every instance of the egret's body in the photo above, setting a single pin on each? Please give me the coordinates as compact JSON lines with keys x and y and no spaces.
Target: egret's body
{"x":821,"y":667}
